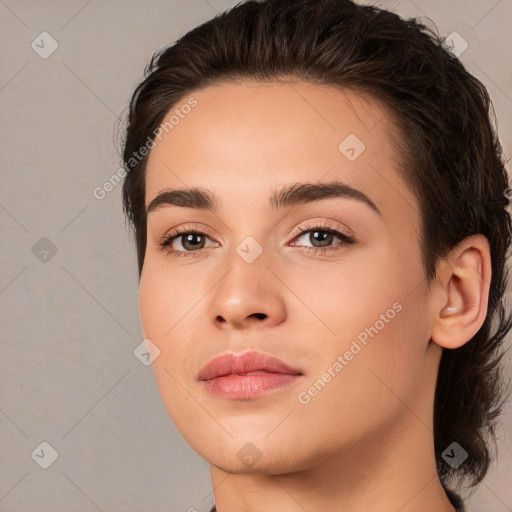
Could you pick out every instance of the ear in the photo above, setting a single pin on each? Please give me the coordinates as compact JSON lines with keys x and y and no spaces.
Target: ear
{"x":460,"y":292}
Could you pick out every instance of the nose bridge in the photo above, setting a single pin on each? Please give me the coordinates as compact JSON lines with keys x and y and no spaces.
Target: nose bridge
{"x":249,"y":238}
{"x":246,"y":277}
{"x":248,"y":291}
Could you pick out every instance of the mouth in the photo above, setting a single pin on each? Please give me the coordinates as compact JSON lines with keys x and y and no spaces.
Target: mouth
{"x":247,"y":376}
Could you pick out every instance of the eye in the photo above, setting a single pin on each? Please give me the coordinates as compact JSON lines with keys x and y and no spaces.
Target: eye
{"x":185,"y":241}
{"x":190,"y":240}
{"x":321,"y":238}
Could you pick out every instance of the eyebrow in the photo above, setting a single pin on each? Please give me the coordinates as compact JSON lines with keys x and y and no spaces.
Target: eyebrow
{"x":288,"y":195}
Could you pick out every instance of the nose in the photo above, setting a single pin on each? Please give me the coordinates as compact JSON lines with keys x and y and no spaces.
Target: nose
{"x":248,"y":295}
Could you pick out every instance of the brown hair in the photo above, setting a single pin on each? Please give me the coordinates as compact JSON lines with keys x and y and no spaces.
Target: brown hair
{"x":450,"y":155}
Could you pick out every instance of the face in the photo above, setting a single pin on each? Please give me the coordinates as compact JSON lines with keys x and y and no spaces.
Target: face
{"x":327,"y":280}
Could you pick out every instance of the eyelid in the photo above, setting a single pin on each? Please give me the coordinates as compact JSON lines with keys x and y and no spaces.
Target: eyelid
{"x":300,"y":229}
{"x":323,"y":224}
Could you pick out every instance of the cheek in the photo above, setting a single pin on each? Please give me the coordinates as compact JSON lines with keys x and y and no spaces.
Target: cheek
{"x":152,"y":305}
{"x":370,"y":316}
{"x":365,"y":376}
{"x":165,"y":300}
{"x":160,"y":314}
{"x":350,"y":296}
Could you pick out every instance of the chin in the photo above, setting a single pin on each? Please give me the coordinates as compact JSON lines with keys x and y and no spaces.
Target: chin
{"x":244,"y":454}
{"x":265,"y":466}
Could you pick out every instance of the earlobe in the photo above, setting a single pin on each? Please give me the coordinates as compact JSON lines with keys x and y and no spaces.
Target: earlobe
{"x":461,"y":293}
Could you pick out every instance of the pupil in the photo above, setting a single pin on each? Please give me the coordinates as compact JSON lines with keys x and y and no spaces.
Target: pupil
{"x":323,"y":237}
{"x":189,"y":240}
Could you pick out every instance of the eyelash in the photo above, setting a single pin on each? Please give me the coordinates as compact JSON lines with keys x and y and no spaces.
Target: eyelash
{"x":324,"y":227}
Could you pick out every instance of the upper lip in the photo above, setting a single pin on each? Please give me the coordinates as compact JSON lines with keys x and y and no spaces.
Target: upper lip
{"x":232,"y":364}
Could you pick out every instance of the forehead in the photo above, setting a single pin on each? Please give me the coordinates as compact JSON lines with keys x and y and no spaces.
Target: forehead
{"x":249,"y":137}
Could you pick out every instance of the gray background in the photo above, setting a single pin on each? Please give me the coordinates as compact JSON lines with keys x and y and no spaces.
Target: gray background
{"x":69,"y":320}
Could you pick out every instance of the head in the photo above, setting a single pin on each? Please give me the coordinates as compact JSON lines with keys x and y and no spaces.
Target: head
{"x":272,"y":94}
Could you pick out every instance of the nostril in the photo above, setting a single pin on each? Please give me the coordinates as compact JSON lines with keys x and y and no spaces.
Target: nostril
{"x":260,"y":316}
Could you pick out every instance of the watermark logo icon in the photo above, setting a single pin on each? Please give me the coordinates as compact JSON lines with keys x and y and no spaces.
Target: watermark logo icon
{"x":146,"y":352}
{"x":351,"y":147}
{"x":44,"y":45}
{"x":454,"y":455}
{"x":45,"y":455}
{"x":455,"y":44}
{"x":44,"y":250}
{"x":249,"y":249}
{"x":249,"y":454}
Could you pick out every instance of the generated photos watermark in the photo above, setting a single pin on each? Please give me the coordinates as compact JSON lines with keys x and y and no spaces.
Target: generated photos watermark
{"x":137,"y":156}
{"x":305,"y":397}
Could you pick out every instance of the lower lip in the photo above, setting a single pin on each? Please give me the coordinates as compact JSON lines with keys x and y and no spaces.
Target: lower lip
{"x":245,"y":387}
